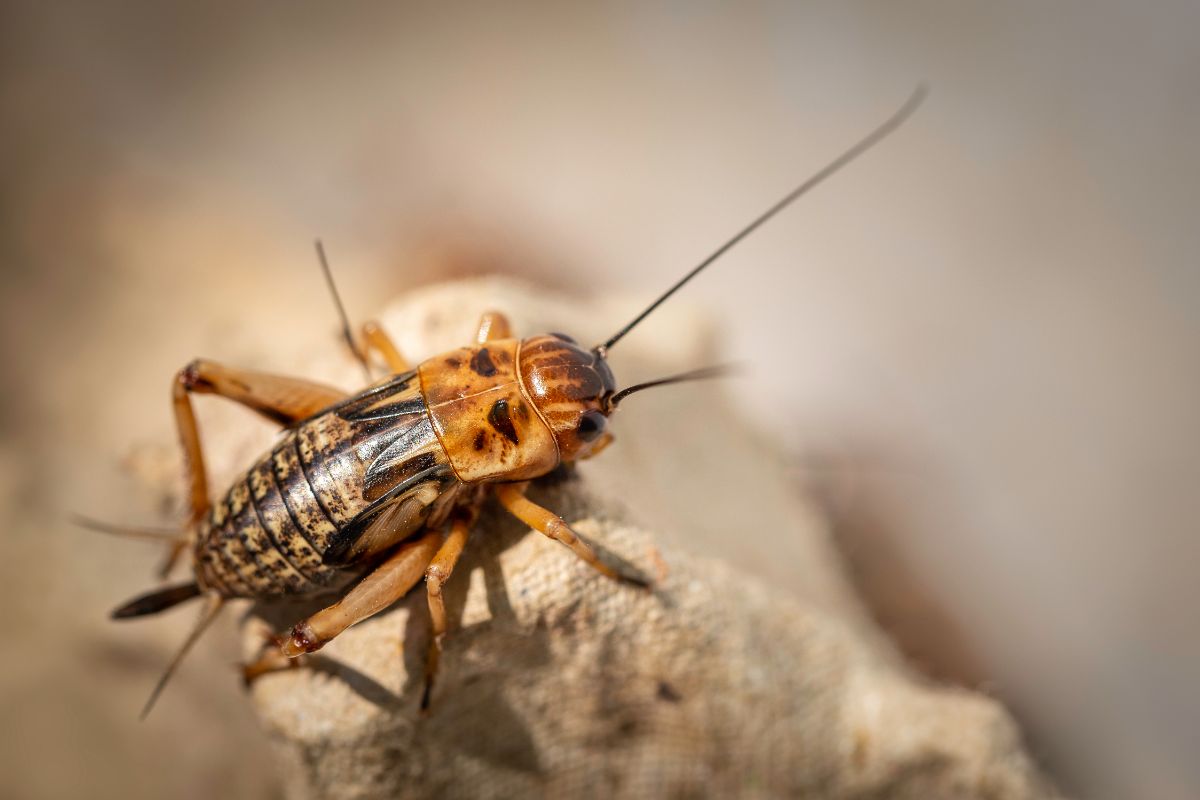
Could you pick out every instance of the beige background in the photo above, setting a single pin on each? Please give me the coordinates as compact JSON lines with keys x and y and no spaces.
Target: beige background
{"x":979,"y":343}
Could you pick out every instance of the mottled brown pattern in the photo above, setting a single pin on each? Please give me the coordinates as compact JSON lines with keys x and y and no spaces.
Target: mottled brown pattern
{"x":277,"y":570}
{"x":462,"y":401}
{"x":505,"y":410}
{"x":328,"y":459}
{"x":299,"y":496}
{"x":269,"y":534}
{"x":482,"y":363}
{"x":284,"y":532}
{"x":564,"y":381}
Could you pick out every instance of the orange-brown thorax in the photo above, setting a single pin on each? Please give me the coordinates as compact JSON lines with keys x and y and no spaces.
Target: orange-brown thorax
{"x":514,"y":409}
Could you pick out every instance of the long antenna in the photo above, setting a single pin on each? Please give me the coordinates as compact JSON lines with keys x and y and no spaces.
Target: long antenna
{"x":337,"y":301}
{"x":863,"y":145}
{"x":719,"y":371}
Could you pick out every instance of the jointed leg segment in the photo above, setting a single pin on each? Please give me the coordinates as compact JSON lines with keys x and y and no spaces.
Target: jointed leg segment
{"x":280,"y":399}
{"x":440,"y":569}
{"x":390,"y":581}
{"x":436,"y":575}
{"x":493,"y":325}
{"x":375,"y":338}
{"x":512,"y":497}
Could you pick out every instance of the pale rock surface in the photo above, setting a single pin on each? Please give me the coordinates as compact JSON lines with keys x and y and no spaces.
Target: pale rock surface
{"x":750,"y":671}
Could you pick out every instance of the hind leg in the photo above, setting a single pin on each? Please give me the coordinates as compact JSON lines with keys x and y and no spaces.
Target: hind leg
{"x":280,"y":399}
{"x":384,"y":585}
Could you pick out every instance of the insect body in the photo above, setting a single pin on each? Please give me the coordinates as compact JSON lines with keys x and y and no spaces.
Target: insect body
{"x":354,"y":479}
{"x":379,"y":489}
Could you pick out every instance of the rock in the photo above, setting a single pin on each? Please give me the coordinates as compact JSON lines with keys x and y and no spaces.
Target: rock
{"x":749,"y":671}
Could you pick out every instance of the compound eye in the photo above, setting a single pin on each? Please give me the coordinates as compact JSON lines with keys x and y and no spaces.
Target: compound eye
{"x":591,"y":425}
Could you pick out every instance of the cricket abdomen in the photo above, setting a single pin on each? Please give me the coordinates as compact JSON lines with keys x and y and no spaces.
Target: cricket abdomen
{"x":270,"y":533}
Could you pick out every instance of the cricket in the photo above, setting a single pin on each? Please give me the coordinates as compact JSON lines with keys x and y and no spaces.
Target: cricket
{"x":365,"y":495}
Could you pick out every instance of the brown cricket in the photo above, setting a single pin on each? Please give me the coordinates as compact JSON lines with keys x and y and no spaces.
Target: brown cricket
{"x":370,"y":493}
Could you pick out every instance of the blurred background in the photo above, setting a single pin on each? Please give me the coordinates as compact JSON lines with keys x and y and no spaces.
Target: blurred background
{"x":978,"y":344}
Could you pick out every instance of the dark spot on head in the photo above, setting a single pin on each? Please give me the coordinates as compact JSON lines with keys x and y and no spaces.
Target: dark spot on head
{"x":501,"y":420}
{"x":521,"y":411}
{"x":482,"y":364}
{"x":668,"y":692}
{"x":453,"y":363}
{"x":480,"y":439}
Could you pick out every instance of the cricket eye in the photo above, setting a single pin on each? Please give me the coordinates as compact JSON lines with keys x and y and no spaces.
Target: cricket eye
{"x":591,"y":425}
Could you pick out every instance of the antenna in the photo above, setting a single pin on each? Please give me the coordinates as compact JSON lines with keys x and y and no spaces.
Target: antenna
{"x":866,"y":143}
{"x":337,"y":301}
{"x":718,"y":371}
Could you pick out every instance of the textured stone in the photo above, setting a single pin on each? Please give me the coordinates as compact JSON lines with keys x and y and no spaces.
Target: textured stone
{"x":751,"y":670}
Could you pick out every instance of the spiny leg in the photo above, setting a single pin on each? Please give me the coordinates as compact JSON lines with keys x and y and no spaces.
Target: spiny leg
{"x":493,"y":325}
{"x":383,"y":586}
{"x":436,"y":575}
{"x":280,"y":399}
{"x":375,"y":338}
{"x":512,"y":497}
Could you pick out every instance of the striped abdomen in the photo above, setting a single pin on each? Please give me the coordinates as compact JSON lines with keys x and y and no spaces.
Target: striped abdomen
{"x":275,"y":530}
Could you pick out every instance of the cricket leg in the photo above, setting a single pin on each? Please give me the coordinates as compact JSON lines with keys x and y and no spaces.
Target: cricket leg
{"x":280,"y":399}
{"x":436,"y":575}
{"x":375,"y":338}
{"x":383,"y":586}
{"x":512,"y":497}
{"x":493,"y":325}
{"x":270,"y":659}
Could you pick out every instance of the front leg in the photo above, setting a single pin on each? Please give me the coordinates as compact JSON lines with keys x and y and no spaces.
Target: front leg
{"x":492,"y":325}
{"x":512,"y":497}
{"x":375,"y":338}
